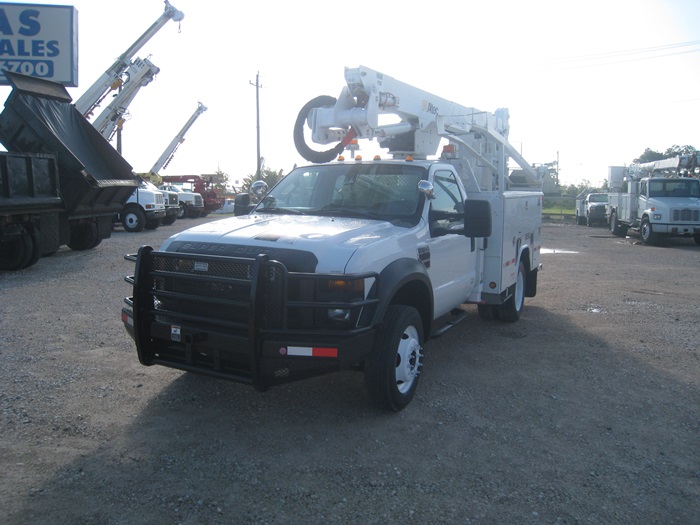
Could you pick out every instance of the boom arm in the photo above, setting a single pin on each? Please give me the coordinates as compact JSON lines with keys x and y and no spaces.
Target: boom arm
{"x":110,"y":79}
{"x":424,"y":119}
{"x":140,"y":73}
{"x":169,"y":152}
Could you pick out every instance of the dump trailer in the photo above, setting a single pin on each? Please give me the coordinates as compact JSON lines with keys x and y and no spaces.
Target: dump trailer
{"x":61,"y":181}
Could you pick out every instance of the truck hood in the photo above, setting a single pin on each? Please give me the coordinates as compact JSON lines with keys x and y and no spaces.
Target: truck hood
{"x":303,"y":243}
{"x":675,"y":202}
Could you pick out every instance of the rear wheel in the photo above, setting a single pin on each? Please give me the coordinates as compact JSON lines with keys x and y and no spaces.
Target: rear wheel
{"x":36,"y":248}
{"x":83,"y":236}
{"x":16,"y":252}
{"x":510,"y":310}
{"x":615,"y":227}
{"x":393,"y":367}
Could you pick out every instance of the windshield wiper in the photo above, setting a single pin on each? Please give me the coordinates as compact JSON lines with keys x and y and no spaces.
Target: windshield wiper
{"x":281,"y":211}
{"x":350,"y":212}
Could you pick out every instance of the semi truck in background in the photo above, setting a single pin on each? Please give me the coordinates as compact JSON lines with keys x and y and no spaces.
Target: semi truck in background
{"x":62,"y":183}
{"x":642,"y":198}
{"x":350,"y":264}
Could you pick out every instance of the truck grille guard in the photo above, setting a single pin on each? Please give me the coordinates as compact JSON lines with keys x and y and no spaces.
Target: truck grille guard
{"x":212,"y":314}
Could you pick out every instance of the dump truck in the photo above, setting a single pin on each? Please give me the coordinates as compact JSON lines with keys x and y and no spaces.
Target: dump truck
{"x":61,"y":182}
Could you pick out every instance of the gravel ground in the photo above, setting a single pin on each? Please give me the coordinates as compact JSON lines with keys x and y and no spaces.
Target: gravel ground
{"x":586,"y":411}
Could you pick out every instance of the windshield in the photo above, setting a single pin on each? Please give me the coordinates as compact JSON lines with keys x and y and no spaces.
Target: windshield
{"x":598,"y":197}
{"x":674,"y":188}
{"x":378,"y":191}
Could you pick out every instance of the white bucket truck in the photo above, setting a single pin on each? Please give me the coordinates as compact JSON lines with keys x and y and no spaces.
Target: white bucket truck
{"x":350,"y":264}
{"x":644,"y":199}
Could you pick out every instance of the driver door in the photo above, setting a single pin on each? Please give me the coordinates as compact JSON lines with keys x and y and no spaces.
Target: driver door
{"x":452,"y":263}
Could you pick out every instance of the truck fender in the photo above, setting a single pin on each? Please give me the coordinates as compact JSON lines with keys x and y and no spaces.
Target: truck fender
{"x":530,"y":272}
{"x":406,"y":281}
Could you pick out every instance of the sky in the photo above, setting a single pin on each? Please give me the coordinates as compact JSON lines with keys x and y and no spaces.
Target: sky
{"x":590,"y":84}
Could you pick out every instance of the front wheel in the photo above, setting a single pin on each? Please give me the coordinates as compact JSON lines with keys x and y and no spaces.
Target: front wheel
{"x":134,"y":219}
{"x":393,"y":367}
{"x":646,"y":232}
{"x":696,"y":238}
{"x":510,"y":310}
{"x":152,"y":224}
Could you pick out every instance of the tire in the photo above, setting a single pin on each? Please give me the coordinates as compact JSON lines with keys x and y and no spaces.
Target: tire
{"x":152,"y":224}
{"x":16,"y":253}
{"x":510,"y":310}
{"x":646,"y":232}
{"x":304,"y":150}
{"x":589,"y":222}
{"x":182,"y":212}
{"x":83,"y":236}
{"x":392,"y":369}
{"x":579,"y":219}
{"x":36,"y":248}
{"x":615,"y":227}
{"x":169,"y":219}
{"x":133,"y":219}
{"x":696,"y":238}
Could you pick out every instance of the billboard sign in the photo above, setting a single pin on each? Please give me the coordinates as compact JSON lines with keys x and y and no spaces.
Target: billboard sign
{"x":39,"y":40}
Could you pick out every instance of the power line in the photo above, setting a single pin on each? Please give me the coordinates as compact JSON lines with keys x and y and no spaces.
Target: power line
{"x":609,"y":57}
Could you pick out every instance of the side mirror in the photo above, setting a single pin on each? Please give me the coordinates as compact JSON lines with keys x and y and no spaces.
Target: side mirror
{"x":259,"y":188}
{"x":241,"y":204}
{"x":477,"y":218}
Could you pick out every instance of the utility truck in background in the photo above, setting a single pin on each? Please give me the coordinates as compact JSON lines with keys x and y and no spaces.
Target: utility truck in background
{"x":590,"y":208}
{"x":351,"y":264}
{"x":643,"y":198}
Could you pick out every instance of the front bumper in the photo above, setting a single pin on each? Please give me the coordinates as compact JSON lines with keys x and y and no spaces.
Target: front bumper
{"x":245,"y":320}
{"x":675,"y":229}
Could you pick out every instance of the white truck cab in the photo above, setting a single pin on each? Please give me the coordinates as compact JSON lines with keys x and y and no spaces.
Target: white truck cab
{"x":145,"y":209}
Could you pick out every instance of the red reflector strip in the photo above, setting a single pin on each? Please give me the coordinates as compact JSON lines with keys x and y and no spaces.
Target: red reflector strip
{"x":312,"y":351}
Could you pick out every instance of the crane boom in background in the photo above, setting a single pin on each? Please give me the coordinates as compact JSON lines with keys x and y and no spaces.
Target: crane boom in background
{"x":111,"y":79}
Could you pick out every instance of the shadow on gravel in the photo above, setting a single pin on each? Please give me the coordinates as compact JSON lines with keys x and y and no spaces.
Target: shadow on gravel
{"x":533,"y":422}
